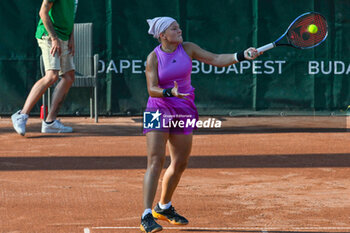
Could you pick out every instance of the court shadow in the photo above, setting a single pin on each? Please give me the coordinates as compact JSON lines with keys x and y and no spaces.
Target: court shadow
{"x":81,"y":130}
{"x":260,"y":231}
{"x":268,"y":129}
{"x":195,"y":162}
{"x":133,"y":127}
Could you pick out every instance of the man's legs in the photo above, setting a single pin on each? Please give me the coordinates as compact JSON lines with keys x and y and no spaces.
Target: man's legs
{"x":19,"y":119}
{"x":51,"y":125}
{"x":39,"y":89}
{"x":60,"y":94}
{"x":52,"y":64}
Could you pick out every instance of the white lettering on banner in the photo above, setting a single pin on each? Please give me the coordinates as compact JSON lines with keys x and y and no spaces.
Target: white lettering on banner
{"x":112,"y":67}
{"x":124,"y":64}
{"x":268,"y":65}
{"x":329,"y":67}
{"x":195,"y":66}
{"x":342,"y":69}
{"x":232,"y":68}
{"x":313,"y":67}
{"x":280,"y":66}
{"x":216,"y":71}
{"x":103,"y":66}
{"x":206,"y":71}
{"x":245,"y":67}
{"x":327,"y":72}
{"x":136,"y":65}
{"x":255,"y":67}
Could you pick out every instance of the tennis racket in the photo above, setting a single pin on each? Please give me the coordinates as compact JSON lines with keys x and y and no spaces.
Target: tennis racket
{"x":299,"y":35}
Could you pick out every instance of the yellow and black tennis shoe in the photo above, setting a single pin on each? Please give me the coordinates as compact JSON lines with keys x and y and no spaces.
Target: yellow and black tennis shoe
{"x":148,"y":224}
{"x":169,"y":215}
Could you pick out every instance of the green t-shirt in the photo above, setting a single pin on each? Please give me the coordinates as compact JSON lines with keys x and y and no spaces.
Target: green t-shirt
{"x":62,"y":15}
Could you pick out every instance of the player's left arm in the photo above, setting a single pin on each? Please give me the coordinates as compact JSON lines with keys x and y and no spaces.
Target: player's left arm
{"x":220,"y":60}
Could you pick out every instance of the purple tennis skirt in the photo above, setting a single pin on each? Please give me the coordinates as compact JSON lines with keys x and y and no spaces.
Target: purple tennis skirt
{"x":170,"y":115}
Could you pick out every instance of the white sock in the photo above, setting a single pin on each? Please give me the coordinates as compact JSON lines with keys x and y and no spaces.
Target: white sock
{"x":26,"y":115}
{"x":147,"y":211}
{"x":165,"y":206}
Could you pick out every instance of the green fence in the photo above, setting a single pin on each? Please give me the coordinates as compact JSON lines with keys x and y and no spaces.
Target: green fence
{"x":280,"y":80}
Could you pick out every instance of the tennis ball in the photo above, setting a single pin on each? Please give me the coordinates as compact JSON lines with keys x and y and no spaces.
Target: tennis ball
{"x":312,"y":28}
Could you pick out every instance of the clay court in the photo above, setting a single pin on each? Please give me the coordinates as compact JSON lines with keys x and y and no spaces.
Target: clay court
{"x":256,"y":174}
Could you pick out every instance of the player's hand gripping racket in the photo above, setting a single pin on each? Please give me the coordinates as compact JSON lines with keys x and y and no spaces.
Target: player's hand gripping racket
{"x":306,"y":31}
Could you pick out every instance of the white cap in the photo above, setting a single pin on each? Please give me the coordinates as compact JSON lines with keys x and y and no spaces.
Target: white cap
{"x":159,"y":25}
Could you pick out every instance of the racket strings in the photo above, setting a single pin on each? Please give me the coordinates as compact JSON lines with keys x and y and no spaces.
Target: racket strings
{"x":299,"y":35}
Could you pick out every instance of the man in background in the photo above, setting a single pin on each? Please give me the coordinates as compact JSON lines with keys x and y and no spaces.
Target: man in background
{"x":56,"y":40}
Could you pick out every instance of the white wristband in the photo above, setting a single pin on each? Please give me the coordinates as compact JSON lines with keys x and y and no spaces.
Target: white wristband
{"x":235,"y":57}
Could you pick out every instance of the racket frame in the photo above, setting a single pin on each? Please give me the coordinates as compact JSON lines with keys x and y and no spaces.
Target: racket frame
{"x":275,"y":43}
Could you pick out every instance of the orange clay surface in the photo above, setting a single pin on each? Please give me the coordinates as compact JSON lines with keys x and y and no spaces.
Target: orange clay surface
{"x":256,"y":174}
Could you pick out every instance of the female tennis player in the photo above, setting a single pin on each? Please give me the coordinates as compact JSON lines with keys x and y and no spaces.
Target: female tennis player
{"x":168,"y":74}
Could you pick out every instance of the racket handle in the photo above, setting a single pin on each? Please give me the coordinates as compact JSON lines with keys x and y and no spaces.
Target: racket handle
{"x":266,"y":47}
{"x":263,"y":49}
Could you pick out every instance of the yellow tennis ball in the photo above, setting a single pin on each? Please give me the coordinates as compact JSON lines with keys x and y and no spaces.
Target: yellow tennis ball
{"x":312,"y":28}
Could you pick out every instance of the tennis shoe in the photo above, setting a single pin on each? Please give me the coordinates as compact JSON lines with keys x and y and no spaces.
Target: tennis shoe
{"x":148,"y":224}
{"x":169,"y":215}
{"x":55,"y":127}
{"x":19,"y":122}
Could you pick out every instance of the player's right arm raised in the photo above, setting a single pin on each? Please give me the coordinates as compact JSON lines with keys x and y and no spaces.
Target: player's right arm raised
{"x":219,"y":60}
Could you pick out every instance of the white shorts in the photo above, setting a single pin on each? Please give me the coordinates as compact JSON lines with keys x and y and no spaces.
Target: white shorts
{"x":63,"y":63}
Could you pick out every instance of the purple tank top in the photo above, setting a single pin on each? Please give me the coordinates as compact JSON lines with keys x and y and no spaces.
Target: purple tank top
{"x":175,"y":66}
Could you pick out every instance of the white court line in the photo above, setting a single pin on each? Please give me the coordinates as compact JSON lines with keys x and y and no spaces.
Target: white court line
{"x":265,"y":229}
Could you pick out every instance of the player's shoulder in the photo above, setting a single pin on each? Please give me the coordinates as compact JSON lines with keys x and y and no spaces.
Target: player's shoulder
{"x":152,"y":58}
{"x":188,"y":44}
{"x":190,"y":48}
{"x":152,"y":55}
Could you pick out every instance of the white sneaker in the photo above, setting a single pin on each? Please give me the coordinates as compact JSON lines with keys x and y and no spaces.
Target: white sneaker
{"x":55,"y":127}
{"x":19,"y":122}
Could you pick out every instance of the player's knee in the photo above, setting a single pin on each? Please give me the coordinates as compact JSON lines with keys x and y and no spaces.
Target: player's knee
{"x":52,"y":77}
{"x":156,"y":162}
{"x":70,"y":79}
{"x":180,"y":165}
